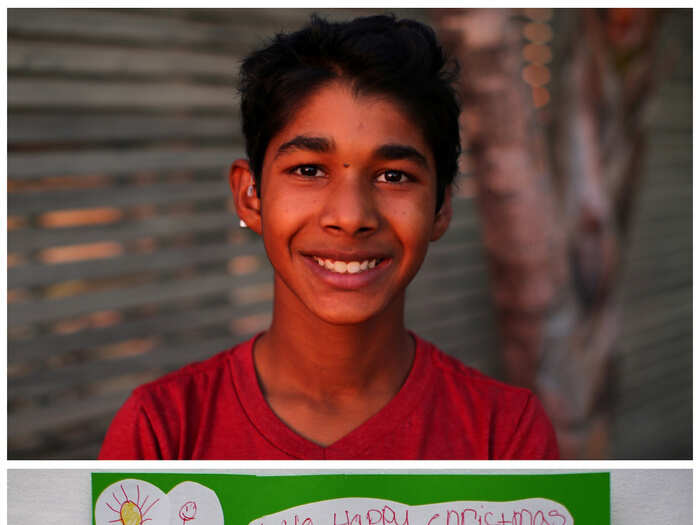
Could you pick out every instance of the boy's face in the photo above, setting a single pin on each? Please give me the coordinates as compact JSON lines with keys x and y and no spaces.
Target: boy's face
{"x":348,"y":205}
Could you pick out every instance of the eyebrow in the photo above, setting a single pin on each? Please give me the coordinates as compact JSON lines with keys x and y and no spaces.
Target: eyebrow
{"x":304,"y":142}
{"x":324,"y":145}
{"x":399,"y":152}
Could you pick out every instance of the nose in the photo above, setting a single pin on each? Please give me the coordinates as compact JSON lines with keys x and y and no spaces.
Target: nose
{"x":350,"y":207}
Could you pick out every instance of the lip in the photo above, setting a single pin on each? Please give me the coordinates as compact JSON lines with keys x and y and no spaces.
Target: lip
{"x":348,"y":281}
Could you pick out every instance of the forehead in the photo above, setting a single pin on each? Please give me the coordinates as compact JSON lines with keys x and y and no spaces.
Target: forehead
{"x":337,"y":112}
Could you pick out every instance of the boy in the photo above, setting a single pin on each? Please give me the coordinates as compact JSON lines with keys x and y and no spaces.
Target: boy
{"x":352,"y":139}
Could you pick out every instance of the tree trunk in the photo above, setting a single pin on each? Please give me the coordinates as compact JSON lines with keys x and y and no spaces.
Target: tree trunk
{"x":555,"y":201}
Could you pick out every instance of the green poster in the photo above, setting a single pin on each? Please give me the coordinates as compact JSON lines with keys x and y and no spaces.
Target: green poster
{"x":350,"y":499}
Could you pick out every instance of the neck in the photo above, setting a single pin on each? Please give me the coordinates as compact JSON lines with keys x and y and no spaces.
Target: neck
{"x":304,"y":354}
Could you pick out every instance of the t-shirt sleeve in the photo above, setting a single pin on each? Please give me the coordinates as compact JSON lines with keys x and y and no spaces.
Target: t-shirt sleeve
{"x":131,"y":434}
{"x":533,"y":437}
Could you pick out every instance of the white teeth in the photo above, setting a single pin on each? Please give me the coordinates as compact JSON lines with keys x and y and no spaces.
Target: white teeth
{"x":346,"y":267}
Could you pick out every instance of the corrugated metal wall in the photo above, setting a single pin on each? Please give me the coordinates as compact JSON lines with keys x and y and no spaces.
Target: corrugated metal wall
{"x":125,"y":257}
{"x":653,"y":412}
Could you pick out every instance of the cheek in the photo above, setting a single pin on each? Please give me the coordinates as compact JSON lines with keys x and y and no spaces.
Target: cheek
{"x":412,"y":208}
{"x":412,"y":221}
{"x":284,"y":212}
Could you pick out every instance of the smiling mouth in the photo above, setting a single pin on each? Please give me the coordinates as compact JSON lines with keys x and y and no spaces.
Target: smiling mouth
{"x":347,"y":266}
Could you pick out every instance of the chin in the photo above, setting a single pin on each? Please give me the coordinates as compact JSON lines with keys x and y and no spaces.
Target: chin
{"x":346,"y":314}
{"x":344,"y":317}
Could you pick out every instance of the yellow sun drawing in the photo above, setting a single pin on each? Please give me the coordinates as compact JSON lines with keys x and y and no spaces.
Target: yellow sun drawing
{"x":131,"y":512}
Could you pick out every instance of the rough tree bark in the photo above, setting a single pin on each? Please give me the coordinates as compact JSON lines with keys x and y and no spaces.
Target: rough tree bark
{"x":555,"y":201}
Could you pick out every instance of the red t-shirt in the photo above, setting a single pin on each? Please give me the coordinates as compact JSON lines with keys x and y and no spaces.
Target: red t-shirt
{"x":215,"y":410}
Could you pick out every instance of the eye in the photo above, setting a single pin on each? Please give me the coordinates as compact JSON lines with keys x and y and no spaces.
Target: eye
{"x":307,"y":170}
{"x":393,"y":176}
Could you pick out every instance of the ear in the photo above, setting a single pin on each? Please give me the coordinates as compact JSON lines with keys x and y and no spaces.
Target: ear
{"x":247,"y":203}
{"x":443,"y":216}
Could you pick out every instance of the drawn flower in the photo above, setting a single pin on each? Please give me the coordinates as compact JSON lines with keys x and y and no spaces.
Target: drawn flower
{"x":132,"y":502}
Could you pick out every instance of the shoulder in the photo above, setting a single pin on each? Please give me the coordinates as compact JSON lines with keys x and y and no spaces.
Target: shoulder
{"x":204,"y":374}
{"x":511,"y":419}
{"x":162,"y":419}
{"x":452,"y":373}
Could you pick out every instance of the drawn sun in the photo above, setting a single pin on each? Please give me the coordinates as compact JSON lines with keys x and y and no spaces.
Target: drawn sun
{"x":130,"y":511}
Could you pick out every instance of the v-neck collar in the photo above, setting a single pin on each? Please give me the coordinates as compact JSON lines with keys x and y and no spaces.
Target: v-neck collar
{"x":352,"y":445}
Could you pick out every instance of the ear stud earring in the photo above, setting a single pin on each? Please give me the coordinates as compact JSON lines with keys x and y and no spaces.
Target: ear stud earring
{"x":250,"y":192}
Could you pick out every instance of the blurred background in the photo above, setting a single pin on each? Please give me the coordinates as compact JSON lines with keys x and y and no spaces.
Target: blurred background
{"x":567,"y":267}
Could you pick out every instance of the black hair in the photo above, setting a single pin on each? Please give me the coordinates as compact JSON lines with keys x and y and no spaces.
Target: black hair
{"x":378,"y":55}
